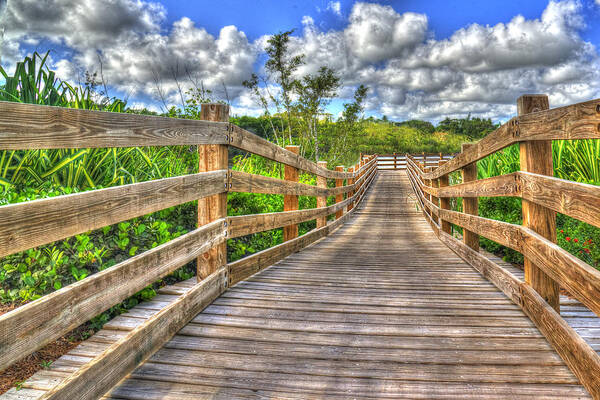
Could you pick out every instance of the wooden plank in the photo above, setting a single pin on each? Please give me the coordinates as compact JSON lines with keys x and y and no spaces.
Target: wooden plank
{"x":322,"y":200}
{"x":536,"y":157}
{"x":212,"y":157}
{"x":577,"y":200}
{"x":30,"y":126}
{"x":577,"y":121}
{"x":250,"y":265}
{"x":577,"y":354}
{"x":42,"y":321}
{"x":244,"y":140}
{"x":34,"y":223}
{"x":250,"y":183}
{"x":290,"y":201}
{"x":103,"y":372}
{"x":502,"y":185}
{"x":579,"y":278}
{"x":242,"y":225}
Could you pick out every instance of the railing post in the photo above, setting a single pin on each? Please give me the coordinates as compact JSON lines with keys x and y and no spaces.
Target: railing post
{"x":339,"y":197}
{"x":470,"y":204}
{"x":290,"y":201}
{"x":444,"y":201}
{"x":536,"y":157}
{"x":394,"y":161}
{"x":212,"y":157}
{"x":350,"y":194}
{"x":435,"y":200}
{"x":322,"y":200}
{"x":427,"y":182}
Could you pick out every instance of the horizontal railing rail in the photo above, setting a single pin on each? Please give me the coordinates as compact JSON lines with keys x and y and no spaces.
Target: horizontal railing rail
{"x":39,"y":222}
{"x":397,"y":161}
{"x":547,"y":266}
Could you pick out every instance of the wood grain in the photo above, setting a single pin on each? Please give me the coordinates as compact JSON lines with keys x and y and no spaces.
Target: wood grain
{"x":322,"y":200}
{"x":30,"y":126}
{"x":251,"y":183}
{"x":104,"y":371}
{"x":536,"y":156}
{"x":35,"y":324}
{"x":577,"y":121}
{"x":212,"y":157}
{"x":34,"y":223}
{"x":247,"y":141}
{"x":290,"y":201}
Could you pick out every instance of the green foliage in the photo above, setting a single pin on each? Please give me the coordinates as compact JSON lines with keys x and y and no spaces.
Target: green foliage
{"x":423,"y":126}
{"x":473,"y":128}
{"x":575,"y":160}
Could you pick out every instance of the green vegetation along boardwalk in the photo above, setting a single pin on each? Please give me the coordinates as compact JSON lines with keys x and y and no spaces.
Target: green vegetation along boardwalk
{"x":378,"y":309}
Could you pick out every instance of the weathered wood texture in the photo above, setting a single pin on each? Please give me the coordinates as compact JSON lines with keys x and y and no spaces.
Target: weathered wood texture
{"x":212,"y":157}
{"x":34,"y":223}
{"x":444,"y":201}
{"x":574,"y":350}
{"x":35,"y":324}
{"x":536,"y":157}
{"x":252,"y":143}
{"x":290,"y":201}
{"x":29,"y":126}
{"x":426,"y":325}
{"x":251,"y":183}
{"x":104,"y":371}
{"x":470,"y":204}
{"x":322,"y":200}
{"x":577,"y":121}
{"x":339,"y":197}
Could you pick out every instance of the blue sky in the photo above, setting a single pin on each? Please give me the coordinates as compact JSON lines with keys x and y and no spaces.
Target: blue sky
{"x":260,"y":17}
{"x":420,"y":59}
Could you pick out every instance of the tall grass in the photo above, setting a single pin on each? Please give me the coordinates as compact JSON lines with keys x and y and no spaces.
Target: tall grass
{"x":33,"y":82}
{"x":575,"y":160}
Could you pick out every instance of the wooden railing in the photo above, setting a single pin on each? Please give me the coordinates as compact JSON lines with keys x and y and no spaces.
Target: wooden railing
{"x":547,"y":266}
{"x":396,"y":161}
{"x":34,"y":223}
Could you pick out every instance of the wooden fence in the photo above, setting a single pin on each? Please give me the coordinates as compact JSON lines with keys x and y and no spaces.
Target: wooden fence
{"x":34,"y":223}
{"x":547,"y":266}
{"x":397,"y":161}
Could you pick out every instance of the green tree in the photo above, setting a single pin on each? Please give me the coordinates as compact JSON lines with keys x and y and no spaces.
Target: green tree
{"x":315,"y":93}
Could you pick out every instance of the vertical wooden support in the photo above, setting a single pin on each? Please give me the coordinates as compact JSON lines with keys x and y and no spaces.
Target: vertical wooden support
{"x":290,"y":201}
{"x":427,"y":182}
{"x":470,"y":204}
{"x":339,"y":197}
{"x":444,"y":201}
{"x":441,"y":159}
{"x":212,"y":157}
{"x":322,"y":200}
{"x":536,"y":157}
{"x":394,"y":161}
{"x":350,"y":194}
{"x":435,"y":200}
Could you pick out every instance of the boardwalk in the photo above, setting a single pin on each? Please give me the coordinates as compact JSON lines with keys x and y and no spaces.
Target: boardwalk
{"x":379,"y":309}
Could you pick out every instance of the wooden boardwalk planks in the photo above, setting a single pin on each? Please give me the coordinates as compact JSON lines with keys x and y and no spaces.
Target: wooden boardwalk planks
{"x":380,"y":309}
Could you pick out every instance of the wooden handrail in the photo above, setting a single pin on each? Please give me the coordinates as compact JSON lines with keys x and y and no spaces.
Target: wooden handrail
{"x":29,"y":224}
{"x":547,"y":260}
{"x":30,"y":126}
{"x":34,"y":223}
{"x":577,"y":121}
